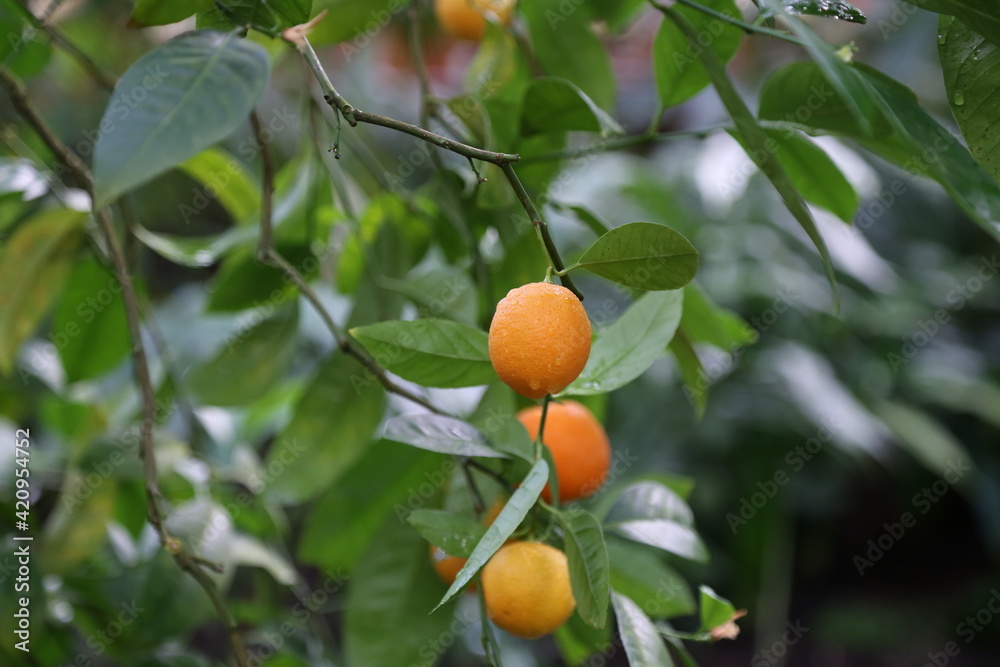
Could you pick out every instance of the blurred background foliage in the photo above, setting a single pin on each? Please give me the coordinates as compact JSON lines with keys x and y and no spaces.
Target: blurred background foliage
{"x":887,"y":397}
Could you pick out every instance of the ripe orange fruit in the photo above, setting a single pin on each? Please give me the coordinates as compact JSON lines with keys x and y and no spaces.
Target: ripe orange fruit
{"x":579,"y":445}
{"x":446,"y":566}
{"x":539,"y":339}
{"x":526,"y":589}
{"x":465,"y":19}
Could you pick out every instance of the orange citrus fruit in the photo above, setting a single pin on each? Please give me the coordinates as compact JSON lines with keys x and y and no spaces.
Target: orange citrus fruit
{"x":579,"y":444}
{"x":465,"y":19}
{"x":539,"y":339}
{"x":527,"y":590}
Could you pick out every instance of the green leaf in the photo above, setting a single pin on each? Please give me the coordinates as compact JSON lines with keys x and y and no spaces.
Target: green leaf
{"x":389,"y":599}
{"x":434,"y":353}
{"x":755,"y":142}
{"x":440,"y":292}
{"x":253,"y":361}
{"x":650,"y":500}
{"x":34,"y":264}
{"x":78,"y":526}
{"x":157,"y":12}
{"x":845,"y":80}
{"x":642,"y":642}
{"x":643,"y":255}
{"x":692,"y":372}
{"x":437,"y":433}
{"x":332,"y":424}
{"x":577,"y":641}
{"x":245,"y":282}
{"x":552,"y":104}
{"x":455,"y":534}
{"x":589,"y":569}
{"x":494,"y":416}
{"x":559,"y":29}
{"x":510,"y":517}
{"x":664,"y":534}
{"x":267,"y":16}
{"x":173,"y":103}
{"x":837,"y":9}
{"x":225,"y":178}
{"x":680,"y":73}
{"x":196,"y":251}
{"x":343,"y":520}
{"x":814,"y":174}
{"x":928,"y":440}
{"x":617,"y":13}
{"x":971,"y":67}
{"x":715,"y":609}
{"x":705,"y":322}
{"x":979,"y":13}
{"x":24,"y":49}
{"x":89,"y":327}
{"x":652,"y":584}
{"x":910,"y":138}
{"x":627,"y":348}
{"x":356,"y":20}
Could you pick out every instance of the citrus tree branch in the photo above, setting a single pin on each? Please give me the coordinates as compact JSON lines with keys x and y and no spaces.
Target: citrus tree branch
{"x":541,"y":229}
{"x":268,"y":254}
{"x":354,"y":115}
{"x":101,"y":77}
{"x":731,"y":20}
{"x":70,"y":161}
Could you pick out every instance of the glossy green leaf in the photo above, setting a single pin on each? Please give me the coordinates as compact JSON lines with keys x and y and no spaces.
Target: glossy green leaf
{"x":495,"y":418}
{"x":437,"y":433}
{"x":173,"y":103}
{"x":253,"y":359}
{"x":157,"y":12}
{"x":814,"y":174}
{"x":649,"y":582}
{"x":343,"y":520}
{"x":643,"y":255}
{"x":456,"y":534}
{"x":434,"y":353}
{"x":979,"y":13}
{"x":650,"y":500}
{"x":846,"y":81}
{"x":510,"y":517}
{"x":195,"y":251}
{"x":268,"y":16}
{"x":642,"y":642}
{"x":89,"y":327}
{"x":559,"y":29}
{"x":754,"y":141}
{"x":332,"y":425}
{"x":225,"y":179}
{"x":627,"y":348}
{"x":971,"y":65}
{"x":578,"y":641}
{"x":389,"y":599}
{"x":34,"y":263}
{"x":445,"y":292}
{"x":552,"y":104}
{"x":588,"y":565}
{"x":910,"y":138}
{"x":680,"y":73}
{"x":715,"y":609}
{"x":665,"y":534}
{"x":837,"y":9}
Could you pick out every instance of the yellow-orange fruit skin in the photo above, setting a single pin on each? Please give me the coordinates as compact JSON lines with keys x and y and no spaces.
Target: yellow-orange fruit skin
{"x":526,"y":589}
{"x":579,"y":445}
{"x":539,"y":339}
{"x":465,"y":19}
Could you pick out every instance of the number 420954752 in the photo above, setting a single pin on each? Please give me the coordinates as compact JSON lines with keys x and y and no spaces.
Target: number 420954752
{"x":21,"y":455}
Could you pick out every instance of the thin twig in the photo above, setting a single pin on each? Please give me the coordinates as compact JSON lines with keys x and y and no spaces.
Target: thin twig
{"x":478,"y":506}
{"x":188,"y":562}
{"x":731,"y":20}
{"x":542,"y":229}
{"x":267,"y":254}
{"x":624,"y":142}
{"x":354,"y":115}
{"x":102,"y":78}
